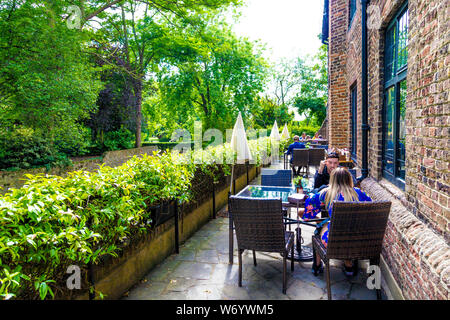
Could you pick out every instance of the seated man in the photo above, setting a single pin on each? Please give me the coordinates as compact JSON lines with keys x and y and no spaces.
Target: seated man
{"x":322,"y":176}
{"x":296,"y":145}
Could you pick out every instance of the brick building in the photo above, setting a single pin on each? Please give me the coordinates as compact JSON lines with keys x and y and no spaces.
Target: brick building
{"x":395,"y":69}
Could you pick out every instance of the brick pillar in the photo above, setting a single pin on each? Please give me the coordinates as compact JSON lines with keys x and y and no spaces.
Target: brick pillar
{"x":338,"y":111}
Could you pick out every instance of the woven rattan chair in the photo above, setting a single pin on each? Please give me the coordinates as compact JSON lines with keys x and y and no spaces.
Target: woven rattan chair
{"x":259,"y":227}
{"x":315,"y":156}
{"x":278,"y":178}
{"x":356,"y":232}
{"x":300,"y":158}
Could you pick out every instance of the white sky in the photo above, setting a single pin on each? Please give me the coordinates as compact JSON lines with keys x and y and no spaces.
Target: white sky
{"x":289,"y":27}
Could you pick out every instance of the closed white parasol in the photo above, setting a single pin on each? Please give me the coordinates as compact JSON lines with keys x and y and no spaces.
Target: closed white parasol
{"x":275,"y":134}
{"x":285,"y":134}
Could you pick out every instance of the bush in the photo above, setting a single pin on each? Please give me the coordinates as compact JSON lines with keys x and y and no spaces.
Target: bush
{"x":73,"y":141}
{"x":54,"y":222}
{"x":24,"y":149}
{"x":299,"y":128}
{"x":119,"y":140}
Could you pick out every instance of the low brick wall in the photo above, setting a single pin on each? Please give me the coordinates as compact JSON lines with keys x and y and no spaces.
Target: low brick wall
{"x":418,"y":258}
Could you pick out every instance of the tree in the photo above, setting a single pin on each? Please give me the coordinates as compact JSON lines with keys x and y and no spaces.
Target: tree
{"x":311,"y":101}
{"x":144,"y":41}
{"x":212,"y":77}
{"x":267,"y":111}
{"x":286,"y":79}
{"x":47,"y":82}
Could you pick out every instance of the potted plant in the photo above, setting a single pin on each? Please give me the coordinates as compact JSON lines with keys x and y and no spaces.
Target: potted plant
{"x":298,"y":184}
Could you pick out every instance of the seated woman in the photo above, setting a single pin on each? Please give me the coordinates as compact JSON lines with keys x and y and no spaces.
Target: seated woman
{"x":341,"y":188}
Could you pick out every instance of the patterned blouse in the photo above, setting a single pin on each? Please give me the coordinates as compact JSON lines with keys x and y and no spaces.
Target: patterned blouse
{"x":314,"y":202}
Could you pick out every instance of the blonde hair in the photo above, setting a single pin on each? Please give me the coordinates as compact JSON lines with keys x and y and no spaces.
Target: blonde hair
{"x":341,"y":182}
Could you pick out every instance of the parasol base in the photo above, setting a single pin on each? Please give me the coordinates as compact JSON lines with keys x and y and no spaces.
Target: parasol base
{"x":305,"y":254}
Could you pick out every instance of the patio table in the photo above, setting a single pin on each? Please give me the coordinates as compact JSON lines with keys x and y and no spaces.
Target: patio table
{"x":301,"y":253}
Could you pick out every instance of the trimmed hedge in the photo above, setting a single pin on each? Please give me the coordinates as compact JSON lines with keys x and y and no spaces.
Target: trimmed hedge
{"x":53,"y":222}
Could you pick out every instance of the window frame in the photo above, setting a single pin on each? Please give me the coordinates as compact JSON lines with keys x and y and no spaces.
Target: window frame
{"x":395,"y":82}
{"x":354,"y":122}
{"x":350,"y":15}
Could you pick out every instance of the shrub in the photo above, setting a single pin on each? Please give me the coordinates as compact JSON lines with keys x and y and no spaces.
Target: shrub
{"x":54,"y":222}
{"x":24,"y":149}
{"x":74,"y":140}
{"x":119,"y":140}
{"x":299,"y":128}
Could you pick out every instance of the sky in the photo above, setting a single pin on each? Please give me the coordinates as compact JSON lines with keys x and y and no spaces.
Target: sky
{"x":289,"y":27}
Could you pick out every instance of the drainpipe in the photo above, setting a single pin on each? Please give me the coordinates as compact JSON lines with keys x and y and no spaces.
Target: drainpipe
{"x":364,"y":112}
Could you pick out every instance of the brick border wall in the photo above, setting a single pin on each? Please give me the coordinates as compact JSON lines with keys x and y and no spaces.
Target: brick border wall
{"x":418,"y":258}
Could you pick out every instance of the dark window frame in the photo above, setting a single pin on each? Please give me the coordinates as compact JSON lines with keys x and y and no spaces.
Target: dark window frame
{"x":354,"y":121}
{"x":397,"y":77}
{"x":352,"y":6}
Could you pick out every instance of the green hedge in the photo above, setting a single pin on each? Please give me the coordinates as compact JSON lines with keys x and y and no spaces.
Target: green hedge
{"x":53,"y":222}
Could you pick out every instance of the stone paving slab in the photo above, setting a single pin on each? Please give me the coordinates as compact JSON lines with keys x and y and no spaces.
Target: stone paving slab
{"x":201,"y":272}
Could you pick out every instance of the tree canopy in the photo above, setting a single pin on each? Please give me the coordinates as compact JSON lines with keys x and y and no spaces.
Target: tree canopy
{"x":86,"y":76}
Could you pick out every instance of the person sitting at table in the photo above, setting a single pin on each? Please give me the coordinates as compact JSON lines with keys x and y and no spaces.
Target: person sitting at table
{"x":296,"y":145}
{"x":303,"y":138}
{"x":316,"y":136}
{"x":341,"y":188}
{"x":322,"y":176}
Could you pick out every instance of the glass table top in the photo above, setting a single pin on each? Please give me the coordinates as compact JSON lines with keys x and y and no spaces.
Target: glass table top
{"x":268,"y":192}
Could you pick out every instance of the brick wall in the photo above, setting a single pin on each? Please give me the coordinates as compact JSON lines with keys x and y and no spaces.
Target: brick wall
{"x":427,"y":118}
{"x":424,"y":205}
{"x":338,"y":95}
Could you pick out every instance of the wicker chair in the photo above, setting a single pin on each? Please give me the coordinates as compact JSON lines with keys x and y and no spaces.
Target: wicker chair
{"x":278,"y":178}
{"x":259,"y":227}
{"x":356,"y":232}
{"x":300,"y":158}
{"x":315,"y":156}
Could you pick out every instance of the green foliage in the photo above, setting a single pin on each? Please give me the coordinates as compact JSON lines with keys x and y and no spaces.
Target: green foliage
{"x":72,"y":140}
{"x":312,"y":99}
{"x":46,"y":79}
{"x":53,"y":222}
{"x":267,"y":111}
{"x":24,"y":149}
{"x":210,"y":78}
{"x":298,"y":127}
{"x":119,"y":140}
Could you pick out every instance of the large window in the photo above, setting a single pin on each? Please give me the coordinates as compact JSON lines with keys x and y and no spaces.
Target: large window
{"x":354,"y":121}
{"x":394,"y":131}
{"x":352,"y":10}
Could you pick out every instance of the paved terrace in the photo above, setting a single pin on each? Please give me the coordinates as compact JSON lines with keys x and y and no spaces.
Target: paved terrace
{"x":201,"y":272}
